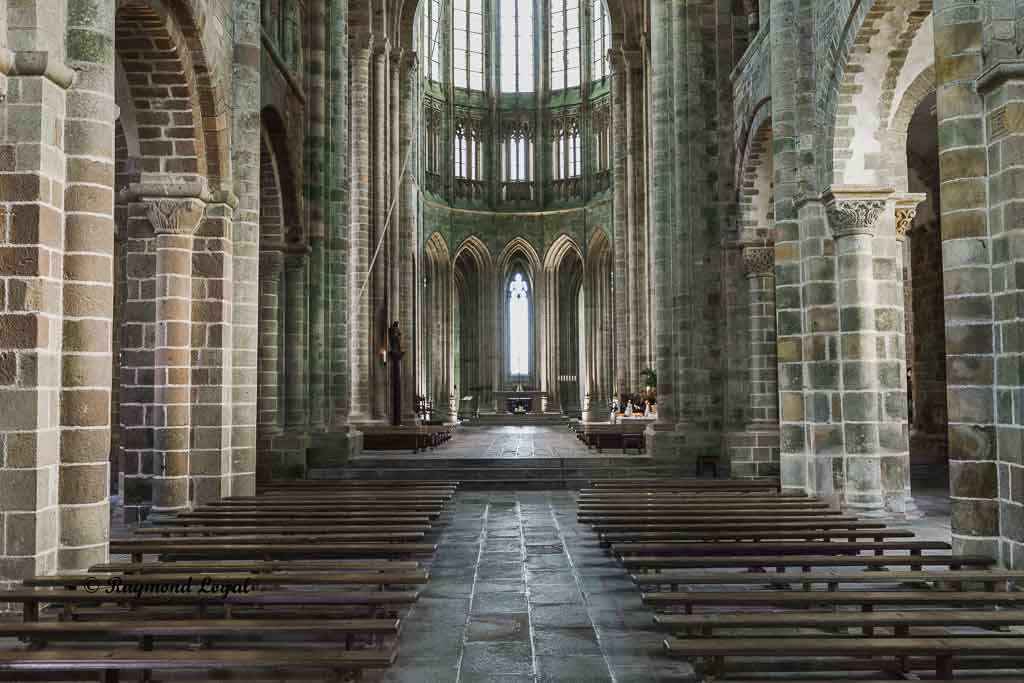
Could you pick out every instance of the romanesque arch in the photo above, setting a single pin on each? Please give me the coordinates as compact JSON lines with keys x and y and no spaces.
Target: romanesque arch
{"x":475,"y":320}
{"x":437,"y":298}
{"x":598,"y":326}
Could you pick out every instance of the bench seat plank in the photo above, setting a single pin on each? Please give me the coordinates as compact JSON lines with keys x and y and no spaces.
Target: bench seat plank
{"x":134,"y":659}
{"x":889,"y":618}
{"x":258,"y":566}
{"x":240,"y":530}
{"x":271,"y":539}
{"x":740,"y":535}
{"x":814,"y":523}
{"x":685,"y":548}
{"x":712,"y":561}
{"x":284,"y":597}
{"x":840,"y":647}
{"x":804,"y":598}
{"x":182,"y":628}
{"x":243,"y":520}
{"x":139,"y":548}
{"x":991,"y":576}
{"x":291,"y":579}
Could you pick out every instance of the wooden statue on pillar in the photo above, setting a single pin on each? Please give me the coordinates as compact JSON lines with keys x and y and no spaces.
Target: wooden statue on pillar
{"x":395,"y":353}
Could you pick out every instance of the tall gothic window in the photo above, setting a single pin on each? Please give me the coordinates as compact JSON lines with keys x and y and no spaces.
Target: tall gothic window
{"x":518,"y":326}
{"x":468,"y":44}
{"x":565,"y":154}
{"x":430,"y":40}
{"x":468,"y":154}
{"x":601,"y":34}
{"x":516,"y":29}
{"x":518,"y":153}
{"x":565,"y":44}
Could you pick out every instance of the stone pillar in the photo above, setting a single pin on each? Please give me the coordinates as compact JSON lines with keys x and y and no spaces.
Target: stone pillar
{"x":636,"y":218}
{"x":295,"y":341}
{"x":316,"y":199}
{"x":624,"y":323}
{"x":245,"y":169}
{"x":755,"y":451}
{"x":87,"y":288}
{"x":377,"y":291}
{"x":407,"y":248}
{"x":875,"y":456}
{"x":31,"y":241}
{"x":174,"y":220}
{"x":268,"y":404}
{"x":359,"y":238}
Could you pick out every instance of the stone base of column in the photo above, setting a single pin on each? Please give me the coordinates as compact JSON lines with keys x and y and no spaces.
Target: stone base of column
{"x":281,"y":456}
{"x":752,"y":453}
{"x":333,"y":450}
{"x":680,"y":446}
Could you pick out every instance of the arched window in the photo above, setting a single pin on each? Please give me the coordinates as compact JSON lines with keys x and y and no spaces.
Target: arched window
{"x":516,"y":27}
{"x":518,"y":326}
{"x":601,"y":35}
{"x":565,"y":44}
{"x":468,"y":39}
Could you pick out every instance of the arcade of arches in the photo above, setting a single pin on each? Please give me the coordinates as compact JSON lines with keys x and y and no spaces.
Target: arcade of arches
{"x":805,"y":217}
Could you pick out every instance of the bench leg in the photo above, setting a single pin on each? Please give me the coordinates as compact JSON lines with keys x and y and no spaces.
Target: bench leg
{"x":944,"y":667}
{"x":108,"y":676}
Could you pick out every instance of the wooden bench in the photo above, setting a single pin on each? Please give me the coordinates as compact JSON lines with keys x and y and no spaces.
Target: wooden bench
{"x":332,"y":507}
{"x":248,"y":579}
{"x":111,"y":661}
{"x":805,"y":562}
{"x":877,"y":535}
{"x":941,"y":650}
{"x":137,"y":549}
{"x":601,"y":435}
{"x":866,"y":600}
{"x":317,"y":515}
{"x":241,"y":530}
{"x":258,"y":567}
{"x":285,"y":539}
{"x":736,"y":517}
{"x":901,"y":621}
{"x":990,"y":578}
{"x":279,"y":484}
{"x":633,"y":553}
{"x":616,"y":508}
{"x":404,"y":437}
{"x":686,"y":484}
{"x":31,"y":598}
{"x":184,"y":519}
{"x":836,"y":522}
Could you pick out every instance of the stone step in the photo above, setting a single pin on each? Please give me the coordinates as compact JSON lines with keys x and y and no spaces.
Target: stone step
{"x":568,"y":477}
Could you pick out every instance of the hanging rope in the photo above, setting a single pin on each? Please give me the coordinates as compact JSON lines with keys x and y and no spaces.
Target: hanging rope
{"x":405,"y":164}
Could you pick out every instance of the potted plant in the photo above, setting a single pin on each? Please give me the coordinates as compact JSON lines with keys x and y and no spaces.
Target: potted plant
{"x":650,"y":376}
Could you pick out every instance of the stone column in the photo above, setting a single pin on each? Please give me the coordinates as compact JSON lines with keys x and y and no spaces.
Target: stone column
{"x":317,"y":183}
{"x":268,"y":404}
{"x":624,"y":324}
{"x":377,"y":291}
{"x":875,"y":466}
{"x":87,"y":287}
{"x":636,"y":220}
{"x":295,"y":340}
{"x":245,"y":169}
{"x":31,"y":237}
{"x":407,"y":247}
{"x":174,"y":220}
{"x":359,"y":237}
{"x":755,"y":451}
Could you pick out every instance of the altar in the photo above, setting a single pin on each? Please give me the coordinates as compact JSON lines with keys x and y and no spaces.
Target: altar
{"x":529,"y":401}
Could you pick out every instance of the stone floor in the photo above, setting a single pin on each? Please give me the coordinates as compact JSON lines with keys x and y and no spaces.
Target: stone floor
{"x":507,"y":442}
{"x":520,"y":592}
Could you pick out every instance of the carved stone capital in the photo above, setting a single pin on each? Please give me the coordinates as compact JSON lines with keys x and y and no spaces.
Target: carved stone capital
{"x":271,"y":264}
{"x":411,"y":62}
{"x":906,"y":211}
{"x":854,"y":210}
{"x":174,"y":215}
{"x":758,"y":261}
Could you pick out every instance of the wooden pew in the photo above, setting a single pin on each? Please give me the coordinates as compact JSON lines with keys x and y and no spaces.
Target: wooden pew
{"x":751,"y":524}
{"x":251,"y":580}
{"x":601,"y":435}
{"x":240,"y":530}
{"x":866,"y":600}
{"x":990,"y":578}
{"x":876,"y":535}
{"x":592,"y":509}
{"x":805,"y":562}
{"x":339,"y":506}
{"x":736,"y":517}
{"x":111,"y":661}
{"x":137,"y":549}
{"x":31,"y":598}
{"x":233,"y":519}
{"x":632,"y":553}
{"x":686,"y":484}
{"x":258,"y":566}
{"x":901,"y":621}
{"x":286,"y":539}
{"x":356,"y":483}
{"x":938,"y":649}
{"x":317,"y":515}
